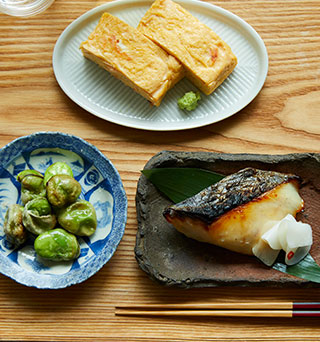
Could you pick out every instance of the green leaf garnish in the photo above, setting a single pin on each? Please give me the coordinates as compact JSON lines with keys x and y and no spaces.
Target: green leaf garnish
{"x":306,"y":269}
{"x":179,"y":184}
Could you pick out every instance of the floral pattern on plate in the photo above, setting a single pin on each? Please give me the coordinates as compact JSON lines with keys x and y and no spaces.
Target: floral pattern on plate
{"x":101,"y":186}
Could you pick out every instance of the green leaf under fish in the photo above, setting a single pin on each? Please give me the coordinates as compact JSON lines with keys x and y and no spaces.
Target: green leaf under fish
{"x":306,"y":269}
{"x":179,"y":184}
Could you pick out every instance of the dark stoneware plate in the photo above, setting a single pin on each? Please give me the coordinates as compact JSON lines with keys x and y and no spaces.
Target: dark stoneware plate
{"x":170,"y":258}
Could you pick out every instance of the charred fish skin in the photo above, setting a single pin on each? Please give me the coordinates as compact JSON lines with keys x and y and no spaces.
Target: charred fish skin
{"x":231,"y":192}
{"x":235,"y":212}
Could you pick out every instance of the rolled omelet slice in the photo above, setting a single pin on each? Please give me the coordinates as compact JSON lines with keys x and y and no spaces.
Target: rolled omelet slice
{"x":237,"y":211}
{"x":133,"y":58}
{"x":208,"y":60}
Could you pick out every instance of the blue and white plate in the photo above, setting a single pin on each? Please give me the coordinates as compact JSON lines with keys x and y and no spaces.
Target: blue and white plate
{"x":101,"y":186}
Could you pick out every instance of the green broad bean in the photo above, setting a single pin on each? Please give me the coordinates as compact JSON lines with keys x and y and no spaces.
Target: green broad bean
{"x":13,"y":227}
{"x":79,"y":218}
{"x":31,"y":185}
{"x":57,"y":245}
{"x":58,"y":168}
{"x":37,"y":216}
{"x":62,"y":190}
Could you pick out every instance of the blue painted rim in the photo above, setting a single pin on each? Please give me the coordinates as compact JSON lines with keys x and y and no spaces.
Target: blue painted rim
{"x":103,"y":164}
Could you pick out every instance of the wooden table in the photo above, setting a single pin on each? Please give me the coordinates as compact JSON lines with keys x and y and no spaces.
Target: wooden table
{"x":283,"y":118}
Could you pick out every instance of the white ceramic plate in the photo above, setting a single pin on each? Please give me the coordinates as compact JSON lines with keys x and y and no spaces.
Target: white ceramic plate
{"x":95,"y":90}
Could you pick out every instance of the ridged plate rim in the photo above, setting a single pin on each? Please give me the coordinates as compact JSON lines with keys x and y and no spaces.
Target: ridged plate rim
{"x":186,"y":120}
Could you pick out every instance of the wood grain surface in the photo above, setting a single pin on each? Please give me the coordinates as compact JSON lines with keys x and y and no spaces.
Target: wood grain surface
{"x":284,"y":118}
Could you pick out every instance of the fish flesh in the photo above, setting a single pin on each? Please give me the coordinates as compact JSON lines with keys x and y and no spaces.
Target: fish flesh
{"x":235,"y":212}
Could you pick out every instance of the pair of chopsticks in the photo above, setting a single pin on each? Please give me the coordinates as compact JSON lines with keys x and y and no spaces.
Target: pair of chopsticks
{"x":242,"y":309}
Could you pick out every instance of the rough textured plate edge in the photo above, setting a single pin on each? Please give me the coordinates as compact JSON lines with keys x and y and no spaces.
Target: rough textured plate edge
{"x":180,"y":159}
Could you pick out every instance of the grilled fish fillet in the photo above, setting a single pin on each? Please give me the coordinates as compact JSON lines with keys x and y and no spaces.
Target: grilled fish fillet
{"x":208,"y":60}
{"x":235,"y":212}
{"x":131,"y":57}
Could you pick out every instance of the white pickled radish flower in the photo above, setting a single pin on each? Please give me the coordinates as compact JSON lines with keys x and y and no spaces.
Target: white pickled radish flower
{"x":295,"y":238}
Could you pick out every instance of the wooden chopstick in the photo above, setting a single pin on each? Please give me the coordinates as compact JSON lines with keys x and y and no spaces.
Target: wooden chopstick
{"x":207,"y":313}
{"x":242,"y":309}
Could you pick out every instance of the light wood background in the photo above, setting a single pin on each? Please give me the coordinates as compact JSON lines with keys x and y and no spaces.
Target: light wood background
{"x":285,"y":117}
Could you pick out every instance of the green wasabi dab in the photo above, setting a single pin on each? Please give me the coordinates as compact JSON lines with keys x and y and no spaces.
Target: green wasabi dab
{"x":189,"y":100}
